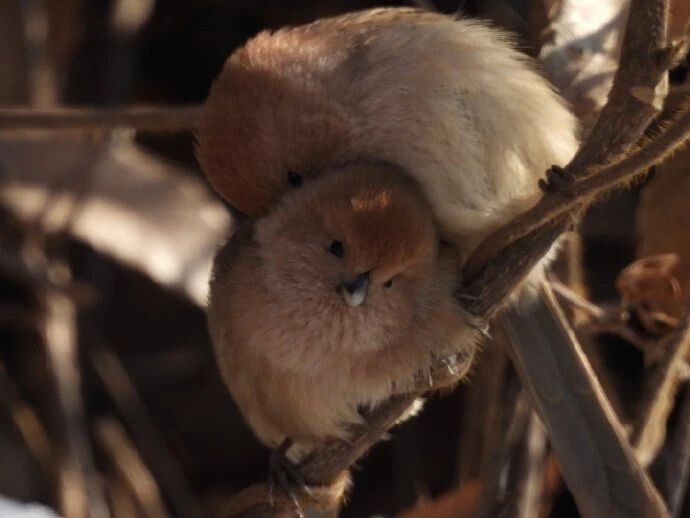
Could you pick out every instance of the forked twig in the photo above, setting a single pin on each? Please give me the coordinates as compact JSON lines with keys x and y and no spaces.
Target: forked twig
{"x":659,"y":394}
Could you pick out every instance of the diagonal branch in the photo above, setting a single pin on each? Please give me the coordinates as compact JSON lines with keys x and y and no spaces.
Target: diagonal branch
{"x":535,"y":229}
{"x":575,"y":196}
{"x":678,"y":467}
{"x":660,"y":391}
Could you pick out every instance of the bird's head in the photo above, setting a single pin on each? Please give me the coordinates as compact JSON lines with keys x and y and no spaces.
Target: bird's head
{"x":358,"y":241}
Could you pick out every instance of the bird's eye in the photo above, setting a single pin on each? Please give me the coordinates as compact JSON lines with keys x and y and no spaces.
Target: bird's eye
{"x":388,"y":283}
{"x":294,"y":178}
{"x":336,"y":248}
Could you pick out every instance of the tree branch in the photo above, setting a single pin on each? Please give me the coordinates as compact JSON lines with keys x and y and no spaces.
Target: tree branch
{"x":574,"y":197}
{"x":659,"y":394}
{"x":678,"y":467}
{"x":150,"y":118}
{"x":635,"y":99}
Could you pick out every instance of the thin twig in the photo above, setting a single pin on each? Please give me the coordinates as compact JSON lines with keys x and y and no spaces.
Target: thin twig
{"x":605,"y":320}
{"x":148,"y":118}
{"x":575,"y":196}
{"x":149,"y":440}
{"x":27,"y":422}
{"x":130,"y":466}
{"x":80,"y":495}
{"x":527,"y":475}
{"x":678,"y":467}
{"x":660,"y":390}
{"x":43,"y":82}
{"x":577,"y":301}
{"x":512,"y":425}
{"x":483,"y":412}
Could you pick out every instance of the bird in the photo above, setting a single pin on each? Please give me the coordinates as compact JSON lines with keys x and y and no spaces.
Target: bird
{"x":336,"y":299}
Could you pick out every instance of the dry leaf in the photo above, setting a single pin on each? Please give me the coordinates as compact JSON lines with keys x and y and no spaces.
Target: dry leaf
{"x":651,"y":288}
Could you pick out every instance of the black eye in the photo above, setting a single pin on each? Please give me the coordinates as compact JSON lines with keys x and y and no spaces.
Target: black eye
{"x":295,"y":179}
{"x":388,"y":283}
{"x":336,"y":248}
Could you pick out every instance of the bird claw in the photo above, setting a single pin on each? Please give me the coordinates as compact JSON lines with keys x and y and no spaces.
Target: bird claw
{"x":284,"y":474}
{"x":557,"y":180}
{"x":476,"y":323}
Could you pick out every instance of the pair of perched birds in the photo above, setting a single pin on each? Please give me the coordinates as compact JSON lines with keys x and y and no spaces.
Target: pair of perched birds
{"x":376,"y":150}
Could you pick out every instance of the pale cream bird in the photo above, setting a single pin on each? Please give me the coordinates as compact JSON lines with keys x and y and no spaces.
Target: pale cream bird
{"x":334,"y":301}
{"x":452,"y":105}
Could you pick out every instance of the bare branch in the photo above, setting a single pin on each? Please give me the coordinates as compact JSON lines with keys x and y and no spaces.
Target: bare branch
{"x":528,"y":474}
{"x":130,"y":467}
{"x":79,"y":494}
{"x":149,"y":440}
{"x":149,"y":118}
{"x":661,"y":387}
{"x":639,"y":86}
{"x":28,"y":424}
{"x":572,"y":198}
{"x":678,"y":467}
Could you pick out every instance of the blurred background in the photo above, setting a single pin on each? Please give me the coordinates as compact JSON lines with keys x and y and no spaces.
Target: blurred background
{"x":110,"y":401}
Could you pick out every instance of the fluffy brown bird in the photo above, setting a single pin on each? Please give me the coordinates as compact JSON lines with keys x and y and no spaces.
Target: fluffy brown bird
{"x":332,"y":302}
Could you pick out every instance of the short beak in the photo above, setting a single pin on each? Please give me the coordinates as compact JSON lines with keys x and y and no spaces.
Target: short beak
{"x":355,"y":291}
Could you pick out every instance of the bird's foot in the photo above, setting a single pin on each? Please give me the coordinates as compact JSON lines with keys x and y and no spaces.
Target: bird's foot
{"x":557,"y":180}
{"x":284,"y":474}
{"x":475,"y":322}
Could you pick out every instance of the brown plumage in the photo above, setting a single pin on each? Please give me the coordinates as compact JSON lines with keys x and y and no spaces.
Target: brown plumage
{"x":301,"y":345}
